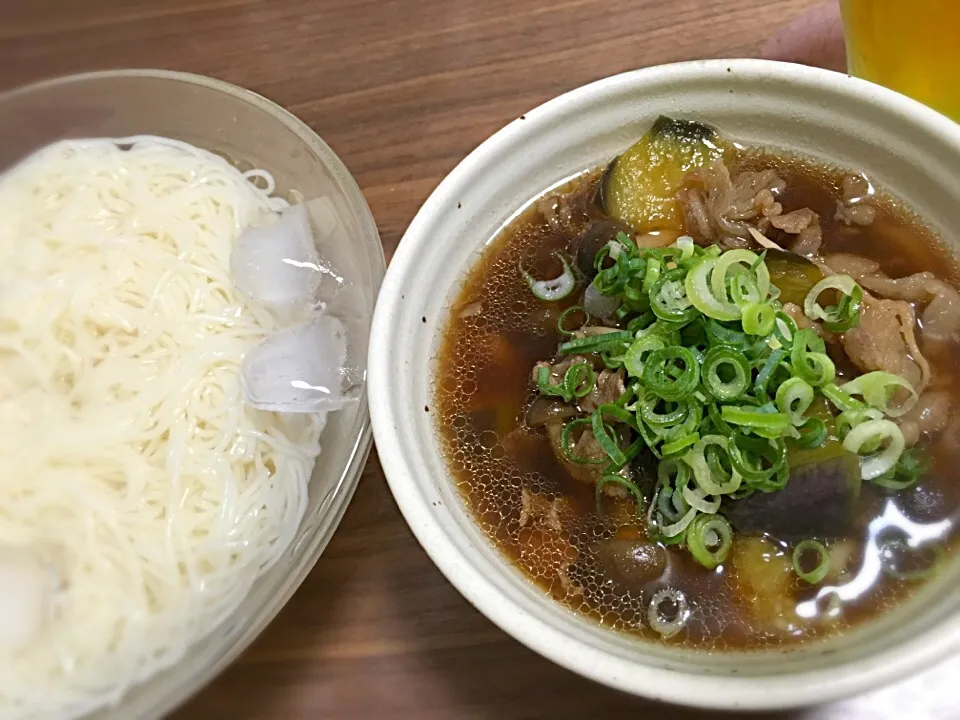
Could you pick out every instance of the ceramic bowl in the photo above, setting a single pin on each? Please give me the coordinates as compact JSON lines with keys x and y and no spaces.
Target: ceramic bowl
{"x":909,"y":149}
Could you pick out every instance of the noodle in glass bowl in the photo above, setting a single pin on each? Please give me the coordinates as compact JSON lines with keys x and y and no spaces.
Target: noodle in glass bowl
{"x":150,"y":196}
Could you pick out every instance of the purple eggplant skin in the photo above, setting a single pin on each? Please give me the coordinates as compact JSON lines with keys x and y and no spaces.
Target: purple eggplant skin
{"x":819,"y":500}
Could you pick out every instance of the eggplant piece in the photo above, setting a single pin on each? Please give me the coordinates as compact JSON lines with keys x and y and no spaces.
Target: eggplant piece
{"x":597,"y":234}
{"x":639,"y":187}
{"x":632,"y":563}
{"x":793,"y":274}
{"x":820,"y":499}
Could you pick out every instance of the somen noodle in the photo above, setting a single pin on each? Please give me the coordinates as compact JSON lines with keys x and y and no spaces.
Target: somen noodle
{"x":137,"y":481}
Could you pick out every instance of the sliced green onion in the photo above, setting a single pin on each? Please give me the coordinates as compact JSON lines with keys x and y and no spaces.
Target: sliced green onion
{"x":638,"y":351}
{"x":597,"y":343}
{"x":614,"y":479}
{"x":697,"y":285}
{"x":709,"y":539}
{"x":840,"y":317}
{"x":566,"y":443}
{"x":608,"y":281}
{"x":612,"y":362}
{"x":627,"y":241}
{"x":784,"y":328}
{"x":875,"y":432}
{"x":768,"y":368}
{"x":668,"y":298}
{"x":671,"y":506}
{"x":878,"y":388}
{"x":809,"y":361}
{"x":755,"y":419}
{"x":759,"y":318}
{"x":572,"y":310}
{"x":760,"y":259}
{"x":689,"y":424}
{"x":718,"y":277}
{"x":904,"y":474}
{"x":618,"y":413}
{"x":603,"y":436}
{"x":547,"y":388}
{"x":713,"y":413}
{"x":819,"y":572}
{"x":821,"y":368}
{"x":757,"y":459}
{"x":652,"y":437}
{"x":672,"y":472}
{"x":652,"y":274}
{"x":679,"y":614}
{"x":718,"y":359}
{"x":686,"y":246}
{"x":672,"y":373}
{"x":647,"y":410}
{"x":555,"y":289}
{"x":633,"y":295}
{"x":849,"y":419}
{"x":641,"y":322}
{"x":744,"y":290}
{"x":673,"y":530}
{"x":720,"y":334}
{"x":794,"y":398}
{"x":841,"y":400}
{"x":578,"y":380}
{"x":672,"y":476}
{"x":721,"y":466}
{"x":681,"y":443}
{"x":703,"y":476}
{"x":758,"y":350}
{"x":813,"y":433}
{"x":696,"y":498}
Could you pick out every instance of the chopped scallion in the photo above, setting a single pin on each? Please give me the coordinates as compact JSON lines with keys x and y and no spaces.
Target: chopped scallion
{"x":801,"y":561}
{"x":556,"y":289}
{"x":597,"y":343}
{"x":843,"y":316}
{"x":709,"y":539}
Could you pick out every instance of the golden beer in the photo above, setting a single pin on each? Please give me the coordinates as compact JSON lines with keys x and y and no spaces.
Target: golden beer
{"x":911,"y":46}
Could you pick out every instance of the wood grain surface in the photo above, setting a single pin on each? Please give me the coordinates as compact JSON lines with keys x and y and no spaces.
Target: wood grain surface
{"x":403,"y":90}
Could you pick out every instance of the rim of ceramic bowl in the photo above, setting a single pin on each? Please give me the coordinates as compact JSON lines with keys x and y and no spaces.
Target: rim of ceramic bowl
{"x":538,"y":632}
{"x":332,"y":512}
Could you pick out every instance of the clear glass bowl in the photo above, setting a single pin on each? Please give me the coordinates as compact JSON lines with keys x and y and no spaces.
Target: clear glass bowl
{"x":249,"y":130}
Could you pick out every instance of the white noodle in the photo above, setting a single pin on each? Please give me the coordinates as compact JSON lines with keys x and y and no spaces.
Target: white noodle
{"x":129,"y":458}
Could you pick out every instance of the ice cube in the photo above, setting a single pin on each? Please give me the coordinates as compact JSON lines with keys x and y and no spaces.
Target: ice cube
{"x":303,"y":368}
{"x":278,"y":263}
{"x":25,"y":589}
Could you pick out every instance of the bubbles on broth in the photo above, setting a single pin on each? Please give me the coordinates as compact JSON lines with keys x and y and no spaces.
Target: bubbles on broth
{"x":495,"y":334}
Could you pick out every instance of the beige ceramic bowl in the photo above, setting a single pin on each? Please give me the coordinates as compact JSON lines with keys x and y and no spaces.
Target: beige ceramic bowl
{"x":906,"y":147}
{"x":251,"y":131}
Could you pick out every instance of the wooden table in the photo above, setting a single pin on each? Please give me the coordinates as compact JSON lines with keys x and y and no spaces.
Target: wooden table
{"x":403,"y":90}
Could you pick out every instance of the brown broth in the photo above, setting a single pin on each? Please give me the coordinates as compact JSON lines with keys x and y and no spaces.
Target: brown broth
{"x":498,"y":330}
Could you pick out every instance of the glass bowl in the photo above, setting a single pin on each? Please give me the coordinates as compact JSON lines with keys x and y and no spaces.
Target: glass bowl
{"x":251,"y":131}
